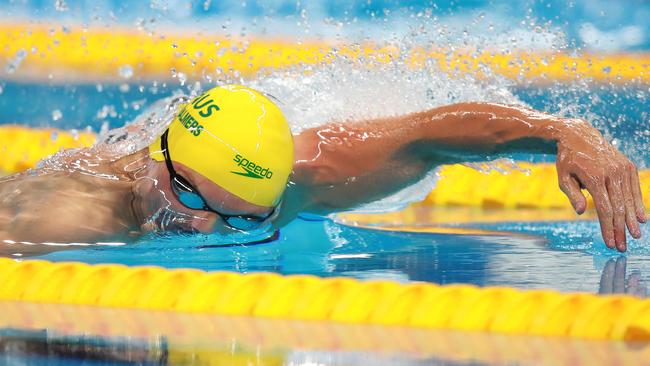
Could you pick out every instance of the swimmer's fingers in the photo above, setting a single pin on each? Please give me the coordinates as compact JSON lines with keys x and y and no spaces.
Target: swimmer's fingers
{"x":631,"y":219}
{"x":633,"y":174}
{"x":571,"y":188}
{"x":614,"y":200}
{"x":617,"y":198}
{"x":604,"y":210}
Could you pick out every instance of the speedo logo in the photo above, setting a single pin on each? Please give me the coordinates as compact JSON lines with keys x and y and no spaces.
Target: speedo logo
{"x":251,"y":169}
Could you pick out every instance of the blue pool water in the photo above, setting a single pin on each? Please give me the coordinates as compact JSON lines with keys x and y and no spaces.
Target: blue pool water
{"x":567,"y":256}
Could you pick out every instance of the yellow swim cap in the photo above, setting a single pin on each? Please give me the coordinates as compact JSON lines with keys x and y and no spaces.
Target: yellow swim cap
{"x":235,"y":137}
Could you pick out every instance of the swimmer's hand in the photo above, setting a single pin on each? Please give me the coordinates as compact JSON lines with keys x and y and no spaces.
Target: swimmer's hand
{"x":586,"y":160}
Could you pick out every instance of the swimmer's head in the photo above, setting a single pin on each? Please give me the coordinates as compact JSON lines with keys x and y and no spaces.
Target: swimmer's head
{"x":235,"y":138}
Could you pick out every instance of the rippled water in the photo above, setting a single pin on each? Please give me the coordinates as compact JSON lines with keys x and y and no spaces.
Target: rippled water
{"x":568,"y":256}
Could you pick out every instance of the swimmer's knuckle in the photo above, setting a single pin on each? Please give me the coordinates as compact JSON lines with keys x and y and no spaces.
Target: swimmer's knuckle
{"x":624,"y":166}
{"x":613,"y":170}
{"x":597,"y":179}
{"x":600,"y":172}
{"x":619,"y":209}
{"x":632,"y":167}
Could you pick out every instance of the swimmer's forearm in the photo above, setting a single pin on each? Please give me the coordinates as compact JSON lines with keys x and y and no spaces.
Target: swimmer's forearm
{"x":342,"y":165}
{"x":466,"y":130}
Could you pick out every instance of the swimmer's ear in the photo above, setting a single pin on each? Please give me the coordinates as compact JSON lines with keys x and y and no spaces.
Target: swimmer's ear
{"x":571,"y":187}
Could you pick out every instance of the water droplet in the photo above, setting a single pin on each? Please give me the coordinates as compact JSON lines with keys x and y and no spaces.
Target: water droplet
{"x":159,"y":5}
{"x":54,"y":136}
{"x":60,"y":5}
{"x":137,"y":104}
{"x":14,"y":63}
{"x":607,"y":69}
{"x":206,"y":5}
{"x":126,"y":71}
{"x":196,"y":88}
{"x":106,"y":111}
{"x":140,"y":23}
{"x":182,"y":78}
{"x":104,"y":128}
{"x":124,"y":87}
{"x":56,"y":115}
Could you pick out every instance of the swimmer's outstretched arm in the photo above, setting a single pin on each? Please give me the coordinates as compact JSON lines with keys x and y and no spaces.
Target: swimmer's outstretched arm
{"x":339,"y":166}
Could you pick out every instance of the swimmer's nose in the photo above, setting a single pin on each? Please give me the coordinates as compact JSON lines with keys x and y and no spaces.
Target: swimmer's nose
{"x":205,"y":225}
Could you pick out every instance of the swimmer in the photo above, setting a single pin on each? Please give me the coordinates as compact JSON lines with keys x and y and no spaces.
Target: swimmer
{"x":228,"y":164}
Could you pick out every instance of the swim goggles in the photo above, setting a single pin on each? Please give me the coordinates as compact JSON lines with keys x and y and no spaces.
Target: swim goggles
{"x":190,"y":197}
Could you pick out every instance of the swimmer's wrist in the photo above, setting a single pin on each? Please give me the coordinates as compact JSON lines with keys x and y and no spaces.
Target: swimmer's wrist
{"x":557,"y":130}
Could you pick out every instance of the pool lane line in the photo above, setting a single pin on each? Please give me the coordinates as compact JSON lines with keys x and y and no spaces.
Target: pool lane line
{"x":52,"y":54}
{"x":21,"y":147}
{"x":339,"y":300}
{"x":153,"y":337}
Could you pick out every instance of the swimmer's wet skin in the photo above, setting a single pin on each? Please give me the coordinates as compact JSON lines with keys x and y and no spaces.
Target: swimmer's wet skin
{"x":228,"y":164}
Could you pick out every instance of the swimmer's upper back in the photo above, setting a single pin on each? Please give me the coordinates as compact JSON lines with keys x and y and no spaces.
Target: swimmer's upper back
{"x":62,"y":207}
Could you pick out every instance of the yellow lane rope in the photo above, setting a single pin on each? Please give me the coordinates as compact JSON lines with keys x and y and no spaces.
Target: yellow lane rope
{"x":21,"y":147}
{"x":62,"y":53}
{"x":217,"y":340}
{"x":459,"y":186}
{"x":342,"y":300}
{"x":536,"y":187}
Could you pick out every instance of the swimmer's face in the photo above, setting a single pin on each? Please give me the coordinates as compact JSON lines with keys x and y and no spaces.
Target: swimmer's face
{"x":162,"y":205}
